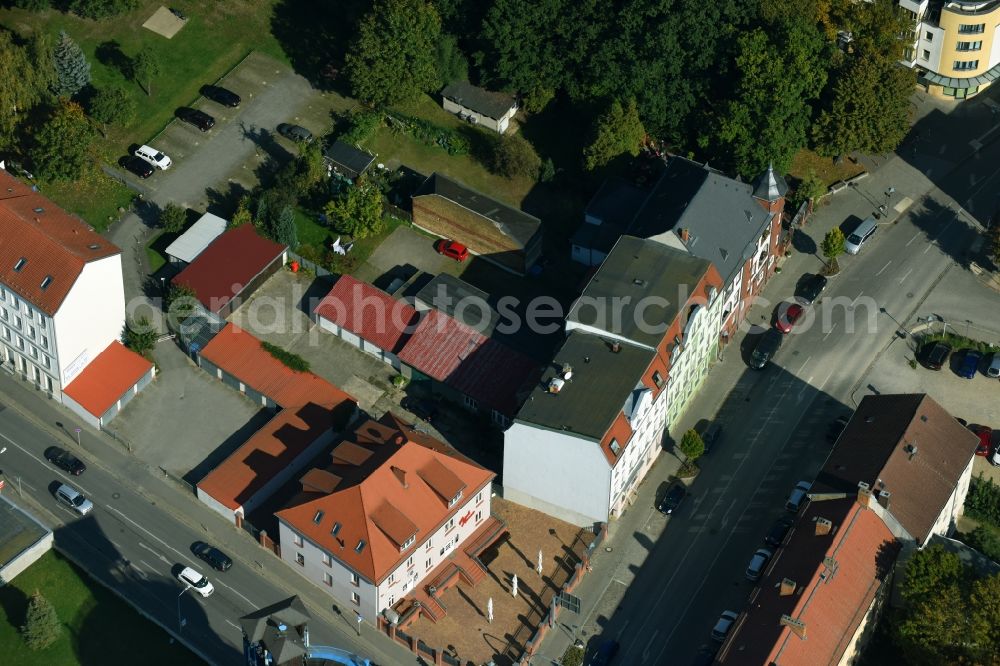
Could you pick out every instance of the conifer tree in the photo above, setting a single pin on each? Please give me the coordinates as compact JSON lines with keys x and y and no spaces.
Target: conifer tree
{"x":72,"y":68}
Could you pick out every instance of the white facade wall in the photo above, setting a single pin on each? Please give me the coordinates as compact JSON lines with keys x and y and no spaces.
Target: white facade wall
{"x":688,"y":372}
{"x":559,"y":473}
{"x":931,"y":38}
{"x":953,"y":507}
{"x":640,"y":454}
{"x":91,"y":316}
{"x":498,"y":125}
{"x":28,"y":342}
{"x":364,"y":345}
{"x":217,"y":506}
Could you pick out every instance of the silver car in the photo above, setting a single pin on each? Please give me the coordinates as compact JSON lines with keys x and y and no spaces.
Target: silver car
{"x":993,"y":369}
{"x":74,"y":499}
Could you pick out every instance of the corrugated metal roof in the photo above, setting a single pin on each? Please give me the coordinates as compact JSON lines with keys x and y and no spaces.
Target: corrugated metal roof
{"x":367,"y":312}
{"x":193,"y":242}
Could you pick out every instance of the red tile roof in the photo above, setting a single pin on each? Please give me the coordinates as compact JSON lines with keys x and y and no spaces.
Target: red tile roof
{"x":482,"y":368}
{"x":54,"y":244}
{"x":310,"y":405}
{"x":368,"y":312}
{"x":226,"y":266}
{"x":107,"y":378}
{"x":387,"y":499}
{"x":837,"y":576}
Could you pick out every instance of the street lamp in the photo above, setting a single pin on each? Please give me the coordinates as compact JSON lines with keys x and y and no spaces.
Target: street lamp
{"x":180,"y":622}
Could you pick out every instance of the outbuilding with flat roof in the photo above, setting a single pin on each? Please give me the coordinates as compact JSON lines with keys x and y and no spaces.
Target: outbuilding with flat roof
{"x":193,"y":242}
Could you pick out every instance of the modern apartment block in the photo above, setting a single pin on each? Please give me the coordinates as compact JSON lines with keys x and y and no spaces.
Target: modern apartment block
{"x":952,"y":44}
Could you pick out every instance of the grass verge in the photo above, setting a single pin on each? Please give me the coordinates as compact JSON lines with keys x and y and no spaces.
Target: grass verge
{"x":806,"y":161}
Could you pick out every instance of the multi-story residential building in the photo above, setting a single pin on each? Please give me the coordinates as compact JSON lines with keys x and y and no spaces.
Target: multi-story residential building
{"x":394,"y":509}
{"x":953,"y":45}
{"x":62,"y":299}
{"x":639,"y":342}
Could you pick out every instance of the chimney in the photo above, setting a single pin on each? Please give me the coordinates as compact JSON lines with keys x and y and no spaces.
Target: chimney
{"x":399,"y":439}
{"x":556,"y":384}
{"x":798,"y":627}
{"x":787,"y":587}
{"x":883,"y":498}
{"x":400,"y":475}
{"x":864,"y":494}
{"x":684,"y":234}
{"x":616,"y":347}
{"x":823,"y":526}
{"x":911,"y":449}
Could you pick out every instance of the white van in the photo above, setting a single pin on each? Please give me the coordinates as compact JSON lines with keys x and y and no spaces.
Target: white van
{"x":153,"y":156}
{"x":860,"y":236}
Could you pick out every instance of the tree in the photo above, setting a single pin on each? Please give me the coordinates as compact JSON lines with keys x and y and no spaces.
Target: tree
{"x":358,"y":210}
{"x":242,"y":215}
{"x":984,"y":621}
{"x":928,"y":572}
{"x":986,"y":540}
{"x":809,"y":189}
{"x":311,"y":166}
{"x":870,"y":108}
{"x":618,"y":131}
{"x":692,"y":445}
{"x":72,"y":68}
{"x":145,"y":67}
{"x":394,"y":57}
{"x":181,"y":301}
{"x":41,"y":623}
{"x":98,"y":9}
{"x":62,"y":146}
{"x":32,"y":5}
{"x":833,"y":246}
{"x":173,"y":218}
{"x":282,"y":228}
{"x":514,"y":156}
{"x":42,"y":55}
{"x":452,"y":64}
{"x":994,"y":233}
{"x":112,"y":105}
{"x":933,"y":629}
{"x":23,"y":82}
{"x":139,"y":335}
{"x":547,"y":171}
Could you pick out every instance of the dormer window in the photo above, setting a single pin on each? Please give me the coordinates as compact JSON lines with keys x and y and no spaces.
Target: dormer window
{"x":335,"y":530}
{"x":408,"y":543}
{"x":46,"y":282}
{"x":20,"y":264}
{"x":657,"y":379}
{"x":360,"y":547}
{"x":616,"y":448}
{"x":454,"y":500}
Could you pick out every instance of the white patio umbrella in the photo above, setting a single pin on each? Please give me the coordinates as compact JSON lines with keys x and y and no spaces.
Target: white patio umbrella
{"x":514,"y":586}
{"x":539,"y":562}
{"x":489,"y":610}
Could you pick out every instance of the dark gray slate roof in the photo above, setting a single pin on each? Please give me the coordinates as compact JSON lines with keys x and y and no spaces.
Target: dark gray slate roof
{"x":263,"y":626}
{"x":721,"y":216}
{"x":490,"y":104}
{"x":460,"y":300}
{"x":635,"y":270}
{"x":602,"y":382}
{"x":348,"y":157}
{"x":512,"y":222}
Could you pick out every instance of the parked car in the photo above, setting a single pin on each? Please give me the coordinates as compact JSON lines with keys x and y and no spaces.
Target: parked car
{"x":985,"y":434}
{"x":711,"y":436}
{"x":758,"y":563}
{"x":215,"y":557}
{"x":766,"y":347}
{"x":861,"y":235}
{"x":798,"y":496}
{"x":722,"y":627}
{"x":933,"y":355}
{"x":993,"y":365}
{"x":779,"y":530}
{"x":137,"y":166}
{"x":452,"y":249}
{"x":153,"y":156}
{"x":812,"y":287}
{"x":970,"y":363}
{"x":195,"y":581}
{"x":422,"y":409}
{"x":223,"y":96}
{"x":295,"y":132}
{"x":606,"y":651}
{"x":199,"y":119}
{"x":672,"y":499}
{"x":65,"y":460}
{"x":74,"y":499}
{"x":788,"y":315}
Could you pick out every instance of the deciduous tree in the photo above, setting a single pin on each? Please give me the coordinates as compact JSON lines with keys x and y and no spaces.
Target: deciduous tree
{"x":618,"y":131}
{"x":145,"y":67}
{"x":995,"y":238}
{"x":833,"y":246}
{"x":242,"y":215}
{"x":22,"y":85}
{"x":98,"y":9}
{"x":72,"y":68}
{"x":181,"y":301}
{"x":394,"y":57}
{"x":41,"y":623}
{"x":357,"y":211}
{"x":513,"y":156}
{"x":929,"y":571}
{"x":452,"y":64}
{"x":173,"y":218}
{"x":692,"y":445}
{"x":984,"y":620}
{"x":139,"y":335}
{"x":934,"y":627}
{"x":62,"y":146}
{"x":113,"y":105}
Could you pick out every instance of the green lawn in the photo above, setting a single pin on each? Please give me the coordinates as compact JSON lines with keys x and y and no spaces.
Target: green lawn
{"x":806,"y":160}
{"x":95,"y":197}
{"x":100,"y":629}
{"x":156,"y":250}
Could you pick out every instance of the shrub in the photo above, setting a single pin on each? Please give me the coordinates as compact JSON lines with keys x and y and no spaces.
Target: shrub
{"x":450,"y":140}
{"x":293,"y":361}
{"x":139,"y":335}
{"x":173,"y":218}
{"x":514,"y":156}
{"x":360,"y":126}
{"x":986,"y":540}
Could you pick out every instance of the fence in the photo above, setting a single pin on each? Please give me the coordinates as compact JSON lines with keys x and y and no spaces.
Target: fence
{"x":396,"y":211}
{"x":312,"y":266}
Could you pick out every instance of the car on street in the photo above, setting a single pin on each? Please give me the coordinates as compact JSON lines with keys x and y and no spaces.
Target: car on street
{"x":295,"y":132}
{"x":199,"y":119}
{"x":993,"y":365}
{"x":65,"y":460}
{"x":711,"y":436}
{"x":766,"y":347}
{"x":221,"y":95}
{"x":985,"y":435}
{"x":74,"y":499}
{"x":452,"y":249}
{"x":672,"y":499}
{"x":970,"y":363}
{"x":788,"y":315}
{"x":812,"y":287}
{"x":153,"y":156}
{"x":137,"y":166}
{"x":213,"y":556}
{"x":933,"y":355}
{"x":758,"y":563}
{"x":779,"y":530}
{"x":606,"y":651}
{"x":193,"y":579}
{"x":722,"y":627}
{"x":798,"y":496}
{"x":422,"y":409}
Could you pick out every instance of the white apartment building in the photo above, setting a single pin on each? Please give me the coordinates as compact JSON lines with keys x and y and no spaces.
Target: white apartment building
{"x":62,"y":299}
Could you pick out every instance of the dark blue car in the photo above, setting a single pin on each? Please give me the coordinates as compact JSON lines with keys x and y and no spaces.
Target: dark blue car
{"x":970,"y":363}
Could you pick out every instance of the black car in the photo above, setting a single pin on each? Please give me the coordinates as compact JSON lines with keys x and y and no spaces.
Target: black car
{"x":199,"y":119}
{"x":136,"y":165}
{"x":221,"y":95}
{"x":672,"y":499}
{"x":65,"y":460}
{"x":422,"y":409}
{"x":295,"y":132}
{"x":215,"y":557}
{"x":933,"y":355}
{"x":766,"y":348}
{"x":812,"y":287}
{"x":776,"y":535}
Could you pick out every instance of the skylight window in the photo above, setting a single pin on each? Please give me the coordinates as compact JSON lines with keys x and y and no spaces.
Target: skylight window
{"x":46,"y":282}
{"x":20,"y":264}
{"x":360,"y":547}
{"x":318,"y":517}
{"x":335,"y":530}
{"x":615,"y":447}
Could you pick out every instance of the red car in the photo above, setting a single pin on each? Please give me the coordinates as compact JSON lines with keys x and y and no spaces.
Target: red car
{"x":788,"y":316}
{"x":453,"y":249}
{"x":984,"y":433}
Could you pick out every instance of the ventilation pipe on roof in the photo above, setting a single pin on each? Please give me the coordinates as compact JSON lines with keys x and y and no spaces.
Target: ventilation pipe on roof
{"x":864,"y":494}
{"x":798,"y":627}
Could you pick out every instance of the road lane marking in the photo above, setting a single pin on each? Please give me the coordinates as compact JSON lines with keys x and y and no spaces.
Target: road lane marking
{"x":856,"y":299}
{"x":155,"y":553}
{"x":234,"y":626}
{"x":830,"y":332}
{"x":802,"y":367}
{"x":645,"y":653}
{"x":883,"y":268}
{"x":164,"y":543}
{"x":252,"y":604}
{"x":927,"y":249}
{"x":906,"y":275}
{"x":915,"y":237}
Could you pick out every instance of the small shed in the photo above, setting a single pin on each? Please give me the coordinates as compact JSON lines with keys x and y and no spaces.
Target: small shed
{"x":347,"y":160}
{"x":107,"y":384}
{"x":193,"y":242}
{"x":478,"y":106}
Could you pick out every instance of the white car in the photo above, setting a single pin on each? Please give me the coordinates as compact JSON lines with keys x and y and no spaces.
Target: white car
{"x":798,"y":496}
{"x":758,"y":563}
{"x":722,"y":627}
{"x":72,"y":498}
{"x":153,"y":156}
{"x":196,"y":581}
{"x":993,"y":369}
